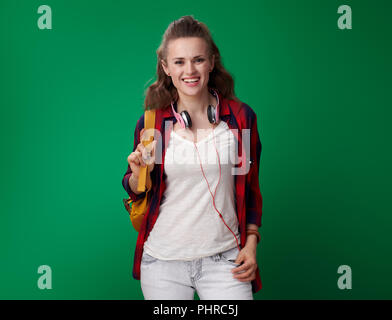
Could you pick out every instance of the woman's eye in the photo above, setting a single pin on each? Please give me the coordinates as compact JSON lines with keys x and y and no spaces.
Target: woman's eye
{"x":196,"y":60}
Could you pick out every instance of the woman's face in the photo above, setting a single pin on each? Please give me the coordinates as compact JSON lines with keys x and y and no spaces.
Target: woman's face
{"x":188,"y":65}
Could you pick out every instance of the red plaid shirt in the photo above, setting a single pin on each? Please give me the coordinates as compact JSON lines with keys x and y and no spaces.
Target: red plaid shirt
{"x":248,"y":196}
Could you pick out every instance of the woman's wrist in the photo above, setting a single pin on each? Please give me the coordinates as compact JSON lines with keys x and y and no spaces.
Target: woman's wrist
{"x":251,"y":240}
{"x":133,"y":182}
{"x":252,"y":235}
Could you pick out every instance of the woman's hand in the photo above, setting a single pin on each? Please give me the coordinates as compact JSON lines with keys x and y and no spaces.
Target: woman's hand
{"x":142,"y":156}
{"x":247,"y":271}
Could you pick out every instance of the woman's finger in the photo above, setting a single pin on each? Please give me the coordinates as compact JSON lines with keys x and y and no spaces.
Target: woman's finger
{"x":250,"y":278}
{"x":245,"y":275}
{"x":242,"y":267}
{"x":136,"y":158}
{"x":154,"y":147}
{"x":140,"y":147}
{"x":140,"y":157}
{"x":249,"y":273}
{"x":149,"y":152}
{"x":133,"y":159}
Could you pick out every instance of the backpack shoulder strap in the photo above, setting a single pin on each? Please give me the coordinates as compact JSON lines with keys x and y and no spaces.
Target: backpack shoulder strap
{"x":149,"y":123}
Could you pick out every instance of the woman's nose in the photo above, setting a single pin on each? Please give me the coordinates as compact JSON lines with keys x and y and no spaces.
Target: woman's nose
{"x":189,"y":68}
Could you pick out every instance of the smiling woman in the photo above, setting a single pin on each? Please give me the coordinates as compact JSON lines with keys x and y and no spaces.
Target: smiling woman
{"x":193,"y":237}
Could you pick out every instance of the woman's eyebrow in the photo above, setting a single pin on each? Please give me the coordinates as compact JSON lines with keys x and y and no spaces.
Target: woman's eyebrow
{"x":181,"y":58}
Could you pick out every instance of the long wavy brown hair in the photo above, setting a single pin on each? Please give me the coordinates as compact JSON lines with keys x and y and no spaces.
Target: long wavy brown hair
{"x":162,"y":92}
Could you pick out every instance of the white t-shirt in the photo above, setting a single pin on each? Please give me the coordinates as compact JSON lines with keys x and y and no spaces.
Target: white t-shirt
{"x":188,"y":227}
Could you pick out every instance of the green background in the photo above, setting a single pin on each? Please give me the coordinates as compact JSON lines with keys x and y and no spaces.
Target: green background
{"x":70,"y":98}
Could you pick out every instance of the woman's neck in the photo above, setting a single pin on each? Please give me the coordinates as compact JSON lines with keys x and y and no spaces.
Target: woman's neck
{"x":195,"y":105}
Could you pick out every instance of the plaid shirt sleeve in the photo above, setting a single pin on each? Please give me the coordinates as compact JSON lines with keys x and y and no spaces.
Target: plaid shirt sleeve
{"x":136,"y":141}
{"x":254,"y":200}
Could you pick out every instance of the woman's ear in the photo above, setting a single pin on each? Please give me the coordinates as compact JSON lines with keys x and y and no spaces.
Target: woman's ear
{"x":165,"y":68}
{"x":212,"y":62}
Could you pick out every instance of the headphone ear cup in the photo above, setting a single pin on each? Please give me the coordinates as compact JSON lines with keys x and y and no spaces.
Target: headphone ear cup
{"x":187,"y":119}
{"x":211,"y":114}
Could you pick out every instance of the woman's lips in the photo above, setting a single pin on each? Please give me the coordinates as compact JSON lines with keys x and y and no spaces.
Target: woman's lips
{"x":193,"y":82}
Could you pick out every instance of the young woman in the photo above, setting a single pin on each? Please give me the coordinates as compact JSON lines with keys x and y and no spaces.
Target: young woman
{"x":200,"y":230}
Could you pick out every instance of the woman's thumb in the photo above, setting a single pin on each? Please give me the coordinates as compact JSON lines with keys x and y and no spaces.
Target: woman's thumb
{"x":154,"y":146}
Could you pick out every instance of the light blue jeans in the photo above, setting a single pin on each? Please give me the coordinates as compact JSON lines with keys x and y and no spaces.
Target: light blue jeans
{"x":211,"y":277}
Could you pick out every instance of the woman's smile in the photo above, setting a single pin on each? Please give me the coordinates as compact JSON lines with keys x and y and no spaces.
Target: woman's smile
{"x":191,"y":82}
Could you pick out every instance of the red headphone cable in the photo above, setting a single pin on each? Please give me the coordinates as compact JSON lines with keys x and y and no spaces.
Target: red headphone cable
{"x":209,"y":189}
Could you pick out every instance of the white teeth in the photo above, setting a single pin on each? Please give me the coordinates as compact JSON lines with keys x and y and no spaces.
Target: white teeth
{"x":191,"y":80}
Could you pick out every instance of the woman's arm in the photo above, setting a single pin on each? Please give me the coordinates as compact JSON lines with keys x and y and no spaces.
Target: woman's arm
{"x":251,"y":239}
{"x":254,"y":200}
{"x":128,"y":180}
{"x":247,"y":256}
